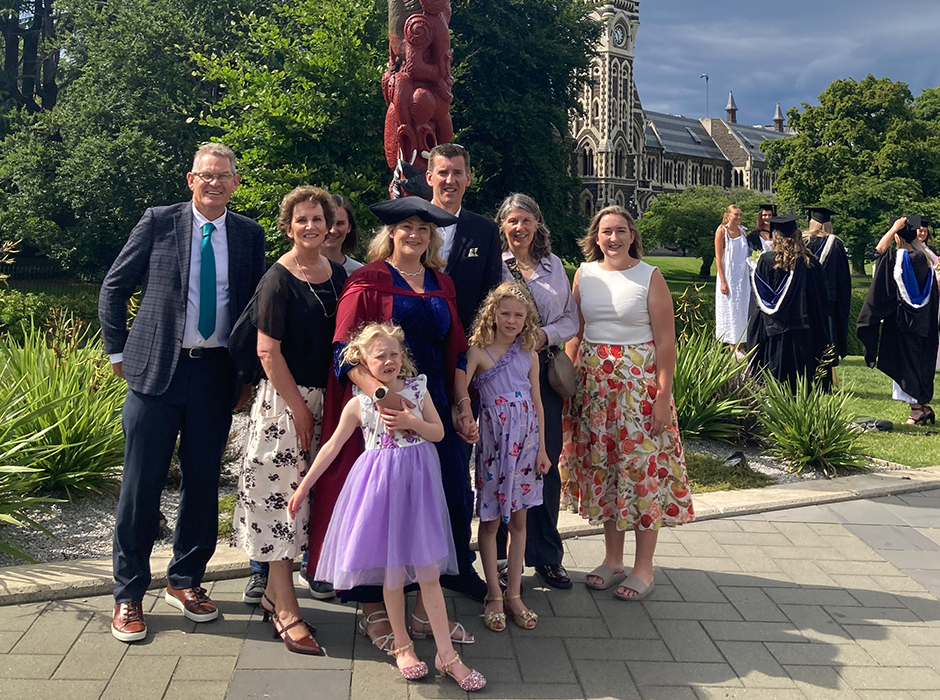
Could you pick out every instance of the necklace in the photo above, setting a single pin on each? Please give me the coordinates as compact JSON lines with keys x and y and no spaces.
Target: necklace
{"x":310,"y":287}
{"x":406,"y":274}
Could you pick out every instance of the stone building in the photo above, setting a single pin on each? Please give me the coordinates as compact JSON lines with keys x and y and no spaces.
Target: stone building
{"x":627,"y":155}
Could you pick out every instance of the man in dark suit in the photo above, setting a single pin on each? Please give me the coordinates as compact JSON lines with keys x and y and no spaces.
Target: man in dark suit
{"x":473,"y":253}
{"x":198,"y":265}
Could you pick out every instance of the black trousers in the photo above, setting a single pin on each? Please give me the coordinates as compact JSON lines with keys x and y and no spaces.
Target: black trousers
{"x":197,"y":408}
{"x":543,"y":543}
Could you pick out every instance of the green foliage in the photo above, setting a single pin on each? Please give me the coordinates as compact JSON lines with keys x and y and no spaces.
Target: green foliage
{"x":519,"y":65}
{"x":695,"y":312}
{"x":867,"y":150}
{"x":709,"y":388}
{"x":809,"y":429}
{"x":19,"y":310}
{"x":62,"y":368}
{"x":708,"y":474}
{"x":300,"y":103}
{"x":688,"y":219}
{"x":226,"y":515}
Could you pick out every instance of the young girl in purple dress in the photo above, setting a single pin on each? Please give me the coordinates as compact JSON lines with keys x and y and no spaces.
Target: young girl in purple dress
{"x":510,"y":457}
{"x":390,"y":526}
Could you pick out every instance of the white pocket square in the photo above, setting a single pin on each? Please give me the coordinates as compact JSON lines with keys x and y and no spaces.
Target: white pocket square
{"x":473,"y":253}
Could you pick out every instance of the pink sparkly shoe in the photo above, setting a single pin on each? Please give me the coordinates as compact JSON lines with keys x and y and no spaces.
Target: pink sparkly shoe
{"x":411,"y":673}
{"x":474,"y":681}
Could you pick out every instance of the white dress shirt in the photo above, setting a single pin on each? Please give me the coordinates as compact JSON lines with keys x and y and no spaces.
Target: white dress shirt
{"x":448,"y":243}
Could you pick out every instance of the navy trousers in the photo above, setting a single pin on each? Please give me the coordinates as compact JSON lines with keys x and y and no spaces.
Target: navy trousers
{"x":197,"y":408}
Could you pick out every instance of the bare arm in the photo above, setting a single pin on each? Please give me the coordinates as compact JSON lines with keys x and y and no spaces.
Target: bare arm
{"x":277,"y":372}
{"x":888,"y":238}
{"x":542,"y":462}
{"x":350,"y":419}
{"x":462,"y":417}
{"x":663,"y":322}
{"x":719,"y":257}
{"x":572,"y":347}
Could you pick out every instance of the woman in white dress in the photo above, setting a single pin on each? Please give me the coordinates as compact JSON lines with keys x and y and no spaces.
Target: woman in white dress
{"x":733,"y":290}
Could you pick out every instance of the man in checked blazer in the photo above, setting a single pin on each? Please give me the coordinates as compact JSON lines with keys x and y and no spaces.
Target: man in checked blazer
{"x":198,"y":265}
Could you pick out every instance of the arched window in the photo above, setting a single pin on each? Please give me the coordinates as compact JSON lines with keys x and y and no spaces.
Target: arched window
{"x":587,"y":162}
{"x":619,"y":158}
{"x":587,"y":206}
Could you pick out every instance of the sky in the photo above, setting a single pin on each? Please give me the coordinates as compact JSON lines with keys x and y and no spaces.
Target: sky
{"x":769,"y":52}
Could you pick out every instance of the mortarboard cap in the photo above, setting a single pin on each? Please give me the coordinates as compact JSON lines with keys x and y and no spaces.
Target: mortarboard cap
{"x":785,"y":225}
{"x":772,"y":208}
{"x":909,"y":232}
{"x":821,"y":214}
{"x":395,"y":210}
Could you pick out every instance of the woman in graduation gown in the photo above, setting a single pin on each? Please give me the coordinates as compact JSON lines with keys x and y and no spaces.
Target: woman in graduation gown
{"x":788,"y":328}
{"x":898,"y":322}
{"x":830,"y":250}
{"x":759,"y":239}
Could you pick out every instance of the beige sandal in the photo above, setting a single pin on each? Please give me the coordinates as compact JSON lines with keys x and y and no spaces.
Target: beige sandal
{"x":522,"y":618}
{"x":491,"y":619}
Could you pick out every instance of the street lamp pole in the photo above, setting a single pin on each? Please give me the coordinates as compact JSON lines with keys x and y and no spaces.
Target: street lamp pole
{"x":705,"y":75}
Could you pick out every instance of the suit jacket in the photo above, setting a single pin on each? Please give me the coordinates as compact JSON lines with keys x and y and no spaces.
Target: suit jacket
{"x":475,"y":263}
{"x":156,"y":257}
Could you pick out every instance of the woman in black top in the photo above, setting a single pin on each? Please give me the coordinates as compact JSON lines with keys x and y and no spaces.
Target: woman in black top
{"x":296,"y":310}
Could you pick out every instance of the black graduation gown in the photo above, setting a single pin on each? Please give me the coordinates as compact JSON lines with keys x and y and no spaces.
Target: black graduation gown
{"x":835,"y":263}
{"x":899,"y":339}
{"x":791,"y":341}
{"x":755,"y":242}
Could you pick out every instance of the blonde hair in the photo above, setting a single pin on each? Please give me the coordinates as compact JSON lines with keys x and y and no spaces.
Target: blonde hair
{"x":484,"y":325}
{"x":590,"y":248}
{"x":789,"y":250}
{"x":358,"y":346}
{"x":726,"y":219}
{"x":817,"y":228}
{"x":382,"y":247}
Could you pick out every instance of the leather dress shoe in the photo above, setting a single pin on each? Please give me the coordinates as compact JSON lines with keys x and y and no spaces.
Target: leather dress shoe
{"x":194,"y":603}
{"x":554,"y":575}
{"x":128,"y":624}
{"x":504,"y":580}
{"x":471,"y":585}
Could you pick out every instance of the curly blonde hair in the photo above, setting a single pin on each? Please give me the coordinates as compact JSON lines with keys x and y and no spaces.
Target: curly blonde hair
{"x":484,"y":325}
{"x":382,"y":247}
{"x":789,"y":250}
{"x":358,"y":346}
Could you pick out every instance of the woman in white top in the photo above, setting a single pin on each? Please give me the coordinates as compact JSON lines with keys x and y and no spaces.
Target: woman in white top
{"x":733,"y":291}
{"x":343,"y":236}
{"x":622,"y":463}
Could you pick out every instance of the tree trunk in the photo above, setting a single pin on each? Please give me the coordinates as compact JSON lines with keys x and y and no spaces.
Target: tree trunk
{"x":10,"y":30}
{"x":706,"y":269}
{"x":31,"y":63}
{"x":50,"y":61}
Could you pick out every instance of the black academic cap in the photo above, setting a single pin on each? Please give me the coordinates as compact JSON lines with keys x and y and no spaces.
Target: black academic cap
{"x":395,"y":210}
{"x":821,"y":214}
{"x":772,"y":208}
{"x":785,"y":225}
{"x":909,"y":232}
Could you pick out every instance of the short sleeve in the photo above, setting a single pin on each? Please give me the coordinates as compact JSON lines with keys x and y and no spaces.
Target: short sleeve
{"x":273,"y":302}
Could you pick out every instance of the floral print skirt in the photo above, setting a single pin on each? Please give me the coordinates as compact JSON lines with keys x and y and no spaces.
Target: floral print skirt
{"x":272,"y":468}
{"x":612,"y":468}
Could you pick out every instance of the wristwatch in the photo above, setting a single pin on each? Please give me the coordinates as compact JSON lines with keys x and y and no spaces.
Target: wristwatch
{"x":380,"y":393}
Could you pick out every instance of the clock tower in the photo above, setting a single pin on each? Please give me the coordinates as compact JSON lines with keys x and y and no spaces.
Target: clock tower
{"x":610,"y":131}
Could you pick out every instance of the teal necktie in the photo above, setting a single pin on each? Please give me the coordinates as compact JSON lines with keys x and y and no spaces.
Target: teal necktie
{"x":207,"y":283}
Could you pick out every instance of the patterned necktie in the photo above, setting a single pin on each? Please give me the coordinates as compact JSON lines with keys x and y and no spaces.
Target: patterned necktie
{"x":207,"y":283}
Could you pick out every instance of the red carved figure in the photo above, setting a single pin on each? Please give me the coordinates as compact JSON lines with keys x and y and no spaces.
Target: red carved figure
{"x":417,"y":88}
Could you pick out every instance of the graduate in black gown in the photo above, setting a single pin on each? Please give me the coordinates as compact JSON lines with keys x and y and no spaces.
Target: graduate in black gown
{"x":830,"y":250}
{"x":788,"y":327}
{"x":898,"y":322}
{"x":759,"y":239}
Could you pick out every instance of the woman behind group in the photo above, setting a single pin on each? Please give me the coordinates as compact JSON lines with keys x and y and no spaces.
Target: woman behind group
{"x":343,"y":238}
{"x":760,"y":238}
{"x":734,"y":287}
{"x":622,"y":463}
{"x":402,"y":284}
{"x":788,"y":327}
{"x":830,"y":251}
{"x":296,"y":309}
{"x":898,"y":322}
{"x":528,"y":259}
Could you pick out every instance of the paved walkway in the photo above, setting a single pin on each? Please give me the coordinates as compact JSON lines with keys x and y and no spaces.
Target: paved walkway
{"x":833,"y":601}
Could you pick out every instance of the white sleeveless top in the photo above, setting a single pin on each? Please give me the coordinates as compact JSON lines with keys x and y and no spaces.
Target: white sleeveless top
{"x":614,"y":304}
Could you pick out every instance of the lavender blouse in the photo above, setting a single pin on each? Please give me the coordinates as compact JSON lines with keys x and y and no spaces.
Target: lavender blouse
{"x":552,"y":293}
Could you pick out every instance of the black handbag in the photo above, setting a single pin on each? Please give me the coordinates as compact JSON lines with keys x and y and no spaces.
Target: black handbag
{"x":243,"y":344}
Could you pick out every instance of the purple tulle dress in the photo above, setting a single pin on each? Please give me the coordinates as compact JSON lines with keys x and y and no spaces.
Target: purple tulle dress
{"x":390,"y":526}
{"x":506,"y":478}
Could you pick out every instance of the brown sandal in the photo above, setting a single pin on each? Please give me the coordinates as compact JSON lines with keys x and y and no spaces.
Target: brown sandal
{"x":306,"y":645}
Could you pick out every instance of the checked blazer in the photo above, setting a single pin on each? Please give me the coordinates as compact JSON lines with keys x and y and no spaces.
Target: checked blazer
{"x":156,"y":257}
{"x":475,"y":263}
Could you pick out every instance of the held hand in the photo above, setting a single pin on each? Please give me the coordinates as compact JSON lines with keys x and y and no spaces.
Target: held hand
{"x":899,"y":224}
{"x":542,"y":462}
{"x":662,"y":415}
{"x":296,"y":501}
{"x":465,"y":426}
{"x":244,"y":394}
{"x":724,"y":288}
{"x":303,"y":424}
{"x":394,"y":401}
{"x":543,"y":339}
{"x":117,"y":369}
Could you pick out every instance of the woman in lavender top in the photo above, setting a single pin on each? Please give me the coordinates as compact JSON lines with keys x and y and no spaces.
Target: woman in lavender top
{"x":527,"y":258}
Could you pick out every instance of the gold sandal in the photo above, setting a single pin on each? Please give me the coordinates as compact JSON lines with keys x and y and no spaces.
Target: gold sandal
{"x":491,"y":619}
{"x":522,"y":618}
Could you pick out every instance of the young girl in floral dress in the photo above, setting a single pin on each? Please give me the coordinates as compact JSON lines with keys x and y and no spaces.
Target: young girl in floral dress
{"x":390,"y":526}
{"x":510,"y":457}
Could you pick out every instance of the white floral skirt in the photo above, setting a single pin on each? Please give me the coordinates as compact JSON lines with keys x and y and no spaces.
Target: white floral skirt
{"x":273,"y":466}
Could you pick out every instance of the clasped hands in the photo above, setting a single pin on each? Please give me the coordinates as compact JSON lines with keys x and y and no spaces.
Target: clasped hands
{"x":395,"y":412}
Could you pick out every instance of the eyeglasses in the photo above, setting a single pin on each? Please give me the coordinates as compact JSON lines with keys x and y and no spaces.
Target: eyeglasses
{"x":221,"y":177}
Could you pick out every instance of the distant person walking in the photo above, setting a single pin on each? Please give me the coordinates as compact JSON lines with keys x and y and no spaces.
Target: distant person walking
{"x":732,"y":292}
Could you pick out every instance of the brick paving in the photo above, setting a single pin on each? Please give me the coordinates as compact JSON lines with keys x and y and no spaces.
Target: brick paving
{"x":833,"y":601}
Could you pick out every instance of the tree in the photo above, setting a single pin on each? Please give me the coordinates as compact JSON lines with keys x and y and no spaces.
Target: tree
{"x":688,"y":219}
{"x":300,"y":102}
{"x":518,"y":67}
{"x":866,"y":134}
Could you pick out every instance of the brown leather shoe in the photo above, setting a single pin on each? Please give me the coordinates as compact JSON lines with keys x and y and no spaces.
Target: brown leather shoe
{"x":128,"y":624}
{"x":194,"y":603}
